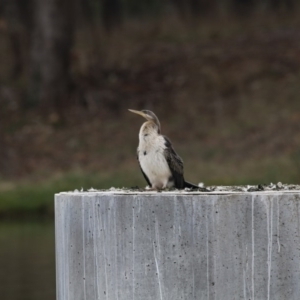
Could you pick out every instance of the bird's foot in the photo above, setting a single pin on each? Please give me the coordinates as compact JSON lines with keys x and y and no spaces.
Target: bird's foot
{"x":148,"y":188}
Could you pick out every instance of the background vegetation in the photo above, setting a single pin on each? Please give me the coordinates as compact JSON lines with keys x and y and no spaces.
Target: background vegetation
{"x":222,"y":76}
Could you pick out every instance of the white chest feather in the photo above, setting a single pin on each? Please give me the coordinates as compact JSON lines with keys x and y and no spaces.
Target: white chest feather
{"x":153,"y":162}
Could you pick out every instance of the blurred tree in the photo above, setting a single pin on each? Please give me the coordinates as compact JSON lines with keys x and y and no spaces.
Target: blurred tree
{"x":138,"y":8}
{"x":84,"y":10}
{"x":109,"y":12}
{"x":193,"y":7}
{"x":201,"y":6}
{"x":16,"y":14}
{"x":243,"y":7}
{"x":112,"y":13}
{"x":182,"y":7}
{"x":51,"y":44}
{"x":282,"y":4}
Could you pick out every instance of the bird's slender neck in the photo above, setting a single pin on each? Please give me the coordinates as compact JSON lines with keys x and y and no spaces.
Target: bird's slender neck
{"x":149,"y":130}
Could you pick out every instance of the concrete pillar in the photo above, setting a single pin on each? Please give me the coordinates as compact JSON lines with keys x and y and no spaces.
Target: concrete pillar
{"x":177,"y":245}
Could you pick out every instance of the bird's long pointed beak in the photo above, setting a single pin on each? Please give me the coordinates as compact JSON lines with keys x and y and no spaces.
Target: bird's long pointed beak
{"x":139,"y":113}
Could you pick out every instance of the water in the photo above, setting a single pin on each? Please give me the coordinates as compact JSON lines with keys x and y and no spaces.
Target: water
{"x":27,"y":261}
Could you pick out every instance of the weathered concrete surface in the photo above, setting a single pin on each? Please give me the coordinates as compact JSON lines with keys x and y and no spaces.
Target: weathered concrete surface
{"x":175,"y":246}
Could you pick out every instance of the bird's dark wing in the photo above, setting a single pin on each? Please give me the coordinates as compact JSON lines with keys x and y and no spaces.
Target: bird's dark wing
{"x":145,"y":176}
{"x":175,"y":164}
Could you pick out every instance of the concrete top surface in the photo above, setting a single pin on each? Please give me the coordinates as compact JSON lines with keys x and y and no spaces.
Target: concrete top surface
{"x":278,"y":188}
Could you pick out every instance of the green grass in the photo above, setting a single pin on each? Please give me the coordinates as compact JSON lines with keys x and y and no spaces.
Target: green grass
{"x":37,"y":198}
{"x":31,"y":198}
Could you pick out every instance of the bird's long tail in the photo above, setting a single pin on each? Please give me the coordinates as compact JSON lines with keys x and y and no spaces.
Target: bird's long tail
{"x":190,"y":185}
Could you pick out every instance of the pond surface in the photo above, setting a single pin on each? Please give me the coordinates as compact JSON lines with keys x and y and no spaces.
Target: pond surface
{"x":27,"y":261}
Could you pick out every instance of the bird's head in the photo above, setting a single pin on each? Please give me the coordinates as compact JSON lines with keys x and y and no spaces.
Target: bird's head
{"x":148,"y":115}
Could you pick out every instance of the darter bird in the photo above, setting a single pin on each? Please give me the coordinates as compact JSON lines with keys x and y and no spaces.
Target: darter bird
{"x":160,"y":164}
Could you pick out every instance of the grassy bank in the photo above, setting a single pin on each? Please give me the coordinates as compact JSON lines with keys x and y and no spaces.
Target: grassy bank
{"x":36,"y":199}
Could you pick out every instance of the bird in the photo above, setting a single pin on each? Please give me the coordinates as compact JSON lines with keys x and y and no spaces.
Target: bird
{"x":161,"y":166}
